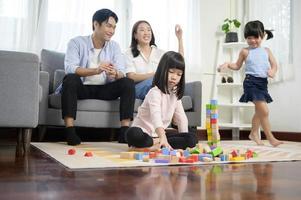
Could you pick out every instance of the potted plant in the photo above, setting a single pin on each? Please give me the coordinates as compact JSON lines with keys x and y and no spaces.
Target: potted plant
{"x":229,"y":27}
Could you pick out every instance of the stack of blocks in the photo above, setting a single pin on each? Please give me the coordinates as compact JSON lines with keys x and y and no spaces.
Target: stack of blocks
{"x":211,"y":124}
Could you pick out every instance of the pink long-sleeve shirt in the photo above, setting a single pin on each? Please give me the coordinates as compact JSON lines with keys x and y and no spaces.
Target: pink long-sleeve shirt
{"x":158,"y":110}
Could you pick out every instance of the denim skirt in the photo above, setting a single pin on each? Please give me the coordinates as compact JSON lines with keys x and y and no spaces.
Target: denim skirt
{"x":255,"y":89}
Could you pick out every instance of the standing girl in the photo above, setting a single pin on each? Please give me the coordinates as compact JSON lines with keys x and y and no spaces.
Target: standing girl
{"x":162,"y":105}
{"x":260,"y":64}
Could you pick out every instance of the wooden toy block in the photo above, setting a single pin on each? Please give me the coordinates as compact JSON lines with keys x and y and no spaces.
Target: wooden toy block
{"x":145,"y":158}
{"x":206,"y":159}
{"x":165,"y":151}
{"x":152,"y":155}
{"x":161,"y":161}
{"x":234,"y":153}
{"x":173,"y":152}
{"x":213,"y":121}
{"x":194,"y":157}
{"x":204,"y":155}
{"x":189,"y":160}
{"x":195,"y":151}
{"x":238,"y":158}
{"x":186,"y":153}
{"x":165,"y":157}
{"x":223,"y":157}
{"x":174,"y":159}
{"x":214,"y":116}
{"x":208,"y":106}
{"x":213,"y":102}
{"x":216,"y":151}
{"x":127,"y":155}
{"x":217,"y":159}
{"x":138,"y":156}
{"x":182,"y":159}
{"x":88,"y":154}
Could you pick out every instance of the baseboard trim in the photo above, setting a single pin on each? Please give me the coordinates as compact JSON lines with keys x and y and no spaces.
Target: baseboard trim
{"x":227,"y":135}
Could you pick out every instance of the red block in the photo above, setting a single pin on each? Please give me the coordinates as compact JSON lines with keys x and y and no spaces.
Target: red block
{"x":152,"y":155}
{"x":71,"y":151}
{"x":194,"y":157}
{"x":88,"y":154}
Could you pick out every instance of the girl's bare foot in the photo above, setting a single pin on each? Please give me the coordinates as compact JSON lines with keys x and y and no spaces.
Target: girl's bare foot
{"x":255,"y":138}
{"x":274,"y":142}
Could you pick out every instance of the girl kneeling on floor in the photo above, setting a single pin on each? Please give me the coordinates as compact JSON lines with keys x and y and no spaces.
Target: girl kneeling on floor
{"x":161,"y":106}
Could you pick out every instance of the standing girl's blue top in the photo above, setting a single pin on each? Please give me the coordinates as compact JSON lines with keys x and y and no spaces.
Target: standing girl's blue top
{"x":255,"y":84}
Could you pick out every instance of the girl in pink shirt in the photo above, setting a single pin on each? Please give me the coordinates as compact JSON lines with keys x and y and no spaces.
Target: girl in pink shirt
{"x":161,"y":106}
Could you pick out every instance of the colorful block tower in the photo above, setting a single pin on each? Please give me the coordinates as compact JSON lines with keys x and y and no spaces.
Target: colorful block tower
{"x":211,"y":124}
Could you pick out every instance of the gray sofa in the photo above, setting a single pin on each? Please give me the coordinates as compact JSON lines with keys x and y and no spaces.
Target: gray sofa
{"x":19,"y":93}
{"x":95,"y":113}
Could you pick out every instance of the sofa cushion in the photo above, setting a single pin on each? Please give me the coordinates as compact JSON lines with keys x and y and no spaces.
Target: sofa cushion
{"x":51,"y":61}
{"x":105,"y":106}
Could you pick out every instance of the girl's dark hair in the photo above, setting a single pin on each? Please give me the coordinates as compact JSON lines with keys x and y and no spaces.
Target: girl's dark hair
{"x":103,"y":15}
{"x":256,"y":29}
{"x":170,"y":60}
{"x":134,"y":42}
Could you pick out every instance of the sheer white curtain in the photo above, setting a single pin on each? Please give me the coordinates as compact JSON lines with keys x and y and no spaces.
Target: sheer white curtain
{"x":31,"y":25}
{"x":163,"y":15}
{"x":277,"y":15}
{"x":18,"y":20}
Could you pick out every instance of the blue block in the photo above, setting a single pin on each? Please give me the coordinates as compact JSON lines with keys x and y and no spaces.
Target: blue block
{"x":161,"y":161}
{"x":186,"y":153}
{"x":201,"y":156}
{"x":165,"y":151}
{"x":223,"y":157}
{"x":138,"y":156}
{"x":214,"y":116}
{"x":213,"y":102}
{"x":173,"y":152}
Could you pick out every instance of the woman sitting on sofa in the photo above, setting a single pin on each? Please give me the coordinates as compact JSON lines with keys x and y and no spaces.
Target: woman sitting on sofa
{"x":143,"y":56}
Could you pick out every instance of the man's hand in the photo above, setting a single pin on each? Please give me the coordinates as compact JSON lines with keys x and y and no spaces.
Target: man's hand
{"x":103,"y":67}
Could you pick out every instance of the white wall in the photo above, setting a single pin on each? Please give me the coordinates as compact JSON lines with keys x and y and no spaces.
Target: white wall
{"x":285,"y":111}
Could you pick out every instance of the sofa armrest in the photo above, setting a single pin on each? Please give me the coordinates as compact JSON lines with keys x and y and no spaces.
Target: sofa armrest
{"x":19,"y":93}
{"x":43,"y":106}
{"x":194,"y":90}
{"x":59,"y":75}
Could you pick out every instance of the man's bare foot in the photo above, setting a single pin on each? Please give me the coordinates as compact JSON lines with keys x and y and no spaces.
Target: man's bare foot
{"x":274,"y":142}
{"x":255,"y":138}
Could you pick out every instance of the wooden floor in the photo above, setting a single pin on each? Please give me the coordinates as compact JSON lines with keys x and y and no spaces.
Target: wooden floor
{"x":37,"y":176}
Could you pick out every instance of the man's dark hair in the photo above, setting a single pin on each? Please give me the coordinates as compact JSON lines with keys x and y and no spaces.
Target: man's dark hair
{"x":134,"y":42}
{"x":170,"y":60}
{"x":256,"y":29}
{"x":103,"y":15}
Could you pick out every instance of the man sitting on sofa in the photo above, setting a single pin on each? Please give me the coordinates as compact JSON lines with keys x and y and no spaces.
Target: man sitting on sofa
{"x":95,"y":70}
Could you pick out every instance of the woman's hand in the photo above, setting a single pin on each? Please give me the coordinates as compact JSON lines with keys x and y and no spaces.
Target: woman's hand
{"x":178,"y":31}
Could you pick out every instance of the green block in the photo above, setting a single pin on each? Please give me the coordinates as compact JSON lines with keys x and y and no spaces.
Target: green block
{"x":215,"y":152}
{"x":195,"y":151}
{"x":208,"y":106}
{"x":255,"y":155}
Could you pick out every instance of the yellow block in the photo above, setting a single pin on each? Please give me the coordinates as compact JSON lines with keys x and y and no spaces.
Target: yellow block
{"x":239,"y":158}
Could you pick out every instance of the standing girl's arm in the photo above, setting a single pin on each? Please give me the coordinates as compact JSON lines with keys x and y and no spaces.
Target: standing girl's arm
{"x":155,"y":115}
{"x":272,"y":71}
{"x":237,"y":65}
{"x":180,"y":118}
